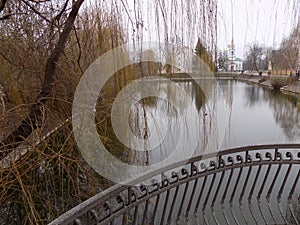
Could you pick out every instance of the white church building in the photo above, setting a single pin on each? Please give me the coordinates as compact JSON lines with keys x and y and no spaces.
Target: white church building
{"x":234,"y":64}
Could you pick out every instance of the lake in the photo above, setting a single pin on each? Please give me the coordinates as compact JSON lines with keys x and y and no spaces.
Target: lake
{"x":246,"y":114}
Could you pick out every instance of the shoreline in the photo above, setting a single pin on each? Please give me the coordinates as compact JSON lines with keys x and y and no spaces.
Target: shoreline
{"x":264,"y":81}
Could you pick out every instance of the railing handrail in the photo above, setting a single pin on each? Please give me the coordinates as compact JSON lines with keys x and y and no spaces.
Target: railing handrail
{"x":87,"y":205}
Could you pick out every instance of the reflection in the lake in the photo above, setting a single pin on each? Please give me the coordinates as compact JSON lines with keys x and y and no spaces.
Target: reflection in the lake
{"x":185,"y":122}
{"x":256,"y":116}
{"x":260,"y":116}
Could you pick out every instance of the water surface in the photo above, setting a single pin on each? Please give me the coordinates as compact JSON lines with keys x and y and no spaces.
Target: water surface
{"x":260,"y":116}
{"x":249,"y":114}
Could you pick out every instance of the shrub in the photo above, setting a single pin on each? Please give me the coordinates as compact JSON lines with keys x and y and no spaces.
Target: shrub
{"x":279,"y":82}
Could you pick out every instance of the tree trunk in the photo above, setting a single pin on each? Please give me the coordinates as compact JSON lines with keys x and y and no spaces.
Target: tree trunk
{"x":34,"y":119}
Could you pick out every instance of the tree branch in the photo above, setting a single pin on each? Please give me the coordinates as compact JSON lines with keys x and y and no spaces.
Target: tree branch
{"x":2,"y":4}
{"x":58,"y":16}
{"x":36,"y":12}
{"x":34,"y":119}
{"x":6,"y":17}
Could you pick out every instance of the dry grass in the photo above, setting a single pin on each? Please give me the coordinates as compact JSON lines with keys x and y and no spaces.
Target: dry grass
{"x":47,"y":181}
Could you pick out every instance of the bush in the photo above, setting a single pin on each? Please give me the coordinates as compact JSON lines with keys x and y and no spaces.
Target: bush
{"x":278,"y":82}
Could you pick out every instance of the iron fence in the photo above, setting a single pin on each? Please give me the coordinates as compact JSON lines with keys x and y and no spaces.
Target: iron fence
{"x":248,"y":185}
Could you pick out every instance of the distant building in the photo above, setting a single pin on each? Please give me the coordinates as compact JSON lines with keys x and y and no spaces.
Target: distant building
{"x":233,"y":63}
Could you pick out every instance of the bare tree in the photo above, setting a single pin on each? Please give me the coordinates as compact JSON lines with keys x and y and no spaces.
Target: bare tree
{"x":34,"y":119}
{"x":42,"y":42}
{"x":289,"y":50}
{"x":256,"y":58}
{"x":222,"y":59}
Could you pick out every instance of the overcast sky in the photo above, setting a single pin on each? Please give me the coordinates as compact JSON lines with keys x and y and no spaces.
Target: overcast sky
{"x":262,"y":21}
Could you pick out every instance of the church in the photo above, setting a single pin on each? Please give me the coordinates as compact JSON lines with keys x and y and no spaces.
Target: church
{"x":233,"y":63}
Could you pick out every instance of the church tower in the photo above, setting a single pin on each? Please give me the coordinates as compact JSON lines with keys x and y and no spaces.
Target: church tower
{"x":231,"y":64}
{"x":231,"y":50}
{"x":234,"y":64}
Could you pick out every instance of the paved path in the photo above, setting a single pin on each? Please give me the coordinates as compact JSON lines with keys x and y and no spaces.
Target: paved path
{"x":294,"y":88}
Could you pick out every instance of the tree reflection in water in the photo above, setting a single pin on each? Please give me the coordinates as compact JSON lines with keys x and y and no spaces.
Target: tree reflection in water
{"x":286,"y":112}
{"x":258,"y":116}
{"x":148,"y":115}
{"x":285,"y":107}
{"x":264,"y":116}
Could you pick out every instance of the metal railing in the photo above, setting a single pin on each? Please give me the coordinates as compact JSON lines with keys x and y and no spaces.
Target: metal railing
{"x":247,"y":185}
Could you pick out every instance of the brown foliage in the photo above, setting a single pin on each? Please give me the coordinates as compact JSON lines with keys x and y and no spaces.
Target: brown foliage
{"x":42,"y":76}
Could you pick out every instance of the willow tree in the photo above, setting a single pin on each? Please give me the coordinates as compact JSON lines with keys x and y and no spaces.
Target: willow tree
{"x":203,"y":53}
{"x":45,"y":47}
{"x":290,"y":51}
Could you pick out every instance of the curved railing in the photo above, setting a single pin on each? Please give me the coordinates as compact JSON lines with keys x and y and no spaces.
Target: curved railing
{"x":247,"y":185}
